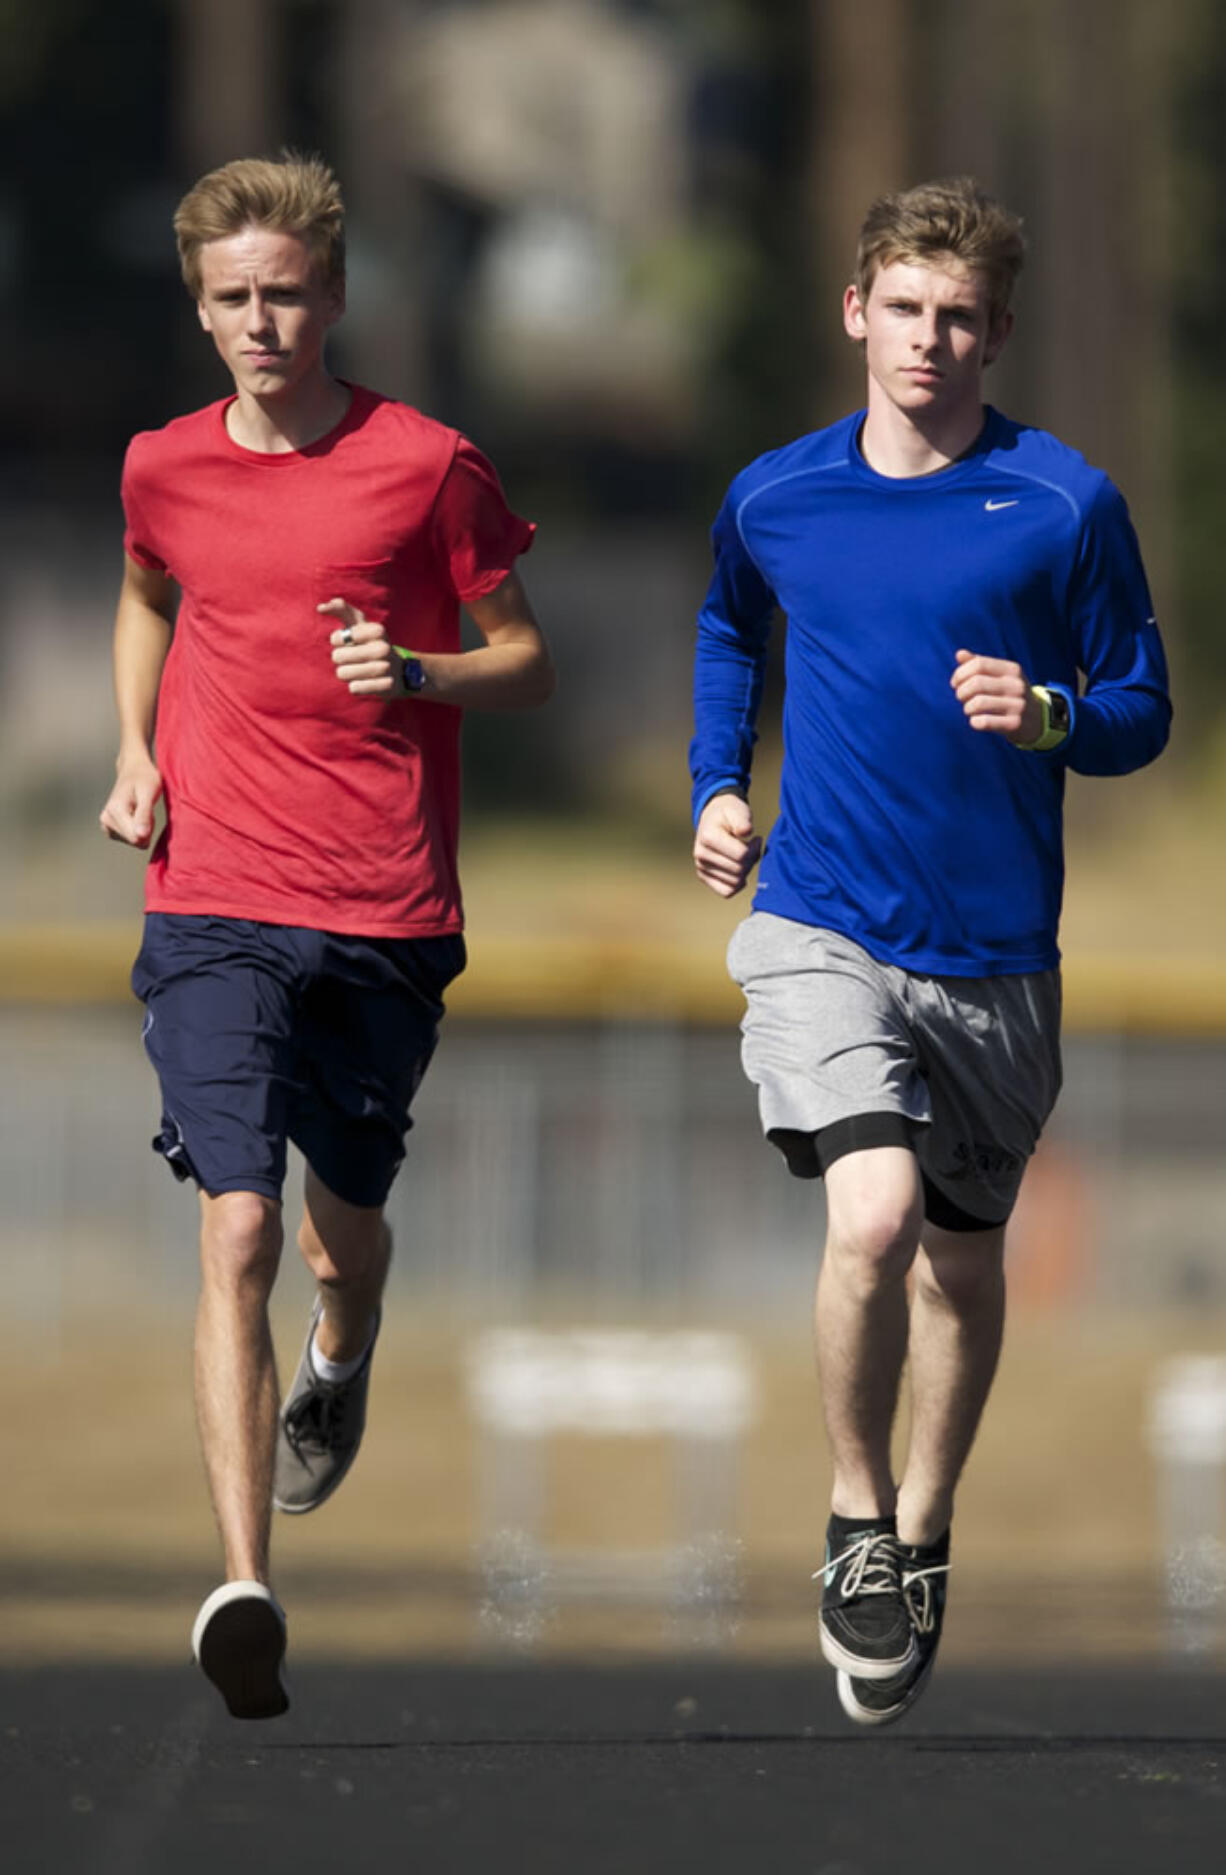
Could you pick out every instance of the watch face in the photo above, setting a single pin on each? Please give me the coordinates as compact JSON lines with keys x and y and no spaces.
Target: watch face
{"x":414,"y":675}
{"x":1058,"y":710}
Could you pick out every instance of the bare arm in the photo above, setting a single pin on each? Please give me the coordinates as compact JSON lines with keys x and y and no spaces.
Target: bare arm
{"x":143,"y":626}
{"x":512,"y":670}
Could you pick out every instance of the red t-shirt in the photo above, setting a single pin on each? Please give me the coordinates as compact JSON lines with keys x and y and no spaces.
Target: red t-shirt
{"x":288,"y":799}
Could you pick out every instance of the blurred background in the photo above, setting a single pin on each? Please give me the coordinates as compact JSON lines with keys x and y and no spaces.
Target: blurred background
{"x":607,"y":238}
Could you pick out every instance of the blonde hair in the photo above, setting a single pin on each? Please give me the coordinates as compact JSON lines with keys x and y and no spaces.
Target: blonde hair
{"x":950,"y":220}
{"x":290,"y":193}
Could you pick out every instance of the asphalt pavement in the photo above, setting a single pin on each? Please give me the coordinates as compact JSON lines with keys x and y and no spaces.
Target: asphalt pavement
{"x":680,"y":1766}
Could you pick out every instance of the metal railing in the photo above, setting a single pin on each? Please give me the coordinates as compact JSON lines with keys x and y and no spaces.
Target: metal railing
{"x":608,"y":1162}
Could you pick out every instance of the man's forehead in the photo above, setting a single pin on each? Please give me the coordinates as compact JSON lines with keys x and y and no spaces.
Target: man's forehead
{"x":263,"y":252}
{"x":945,"y":280}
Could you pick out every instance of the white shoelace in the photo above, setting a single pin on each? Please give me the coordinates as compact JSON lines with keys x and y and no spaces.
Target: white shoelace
{"x":874,"y":1569}
{"x":923,"y":1618}
{"x":874,"y":1572}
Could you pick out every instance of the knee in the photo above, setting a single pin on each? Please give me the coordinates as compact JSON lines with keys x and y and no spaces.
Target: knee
{"x":874,"y":1246}
{"x":240,"y":1243}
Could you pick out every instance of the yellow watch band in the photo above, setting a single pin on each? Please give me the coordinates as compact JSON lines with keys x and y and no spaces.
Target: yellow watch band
{"x":1049,"y":737}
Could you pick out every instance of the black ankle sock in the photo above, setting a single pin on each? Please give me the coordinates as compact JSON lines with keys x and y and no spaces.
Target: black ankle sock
{"x":843,"y":1527}
{"x":929,"y":1552}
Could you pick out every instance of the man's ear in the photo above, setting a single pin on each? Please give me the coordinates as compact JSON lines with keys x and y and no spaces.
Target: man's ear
{"x":998,"y":332}
{"x":853,"y":314}
{"x":202,"y":315}
{"x":336,"y":302}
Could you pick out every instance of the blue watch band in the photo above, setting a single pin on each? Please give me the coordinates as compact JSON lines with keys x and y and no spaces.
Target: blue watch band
{"x":412,"y":672}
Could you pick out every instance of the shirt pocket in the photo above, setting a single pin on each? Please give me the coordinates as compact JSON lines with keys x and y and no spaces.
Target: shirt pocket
{"x":370,"y":585}
{"x":377,"y":589}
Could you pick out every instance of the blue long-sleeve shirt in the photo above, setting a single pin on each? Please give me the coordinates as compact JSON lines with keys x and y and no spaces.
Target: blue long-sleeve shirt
{"x":935,"y":846}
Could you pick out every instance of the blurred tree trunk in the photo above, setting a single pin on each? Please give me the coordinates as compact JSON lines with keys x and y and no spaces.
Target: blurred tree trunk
{"x":233,"y":105}
{"x":383,"y":333}
{"x":1103,"y":250}
{"x":1067,"y":112}
{"x":862,"y":136}
{"x":974,"y":102}
{"x":227,"y":69}
{"x":1148,"y":239}
{"x":228,"y":79}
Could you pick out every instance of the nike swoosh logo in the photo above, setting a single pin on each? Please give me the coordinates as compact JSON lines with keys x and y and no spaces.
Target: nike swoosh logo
{"x":992,"y":506}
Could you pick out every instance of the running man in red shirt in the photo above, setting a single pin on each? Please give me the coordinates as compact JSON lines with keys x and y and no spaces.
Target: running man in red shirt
{"x":296,"y":557}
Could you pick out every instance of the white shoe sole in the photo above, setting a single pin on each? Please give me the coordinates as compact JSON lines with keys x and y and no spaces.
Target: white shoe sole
{"x":238,"y":1641}
{"x":865,"y":1669}
{"x":301,"y":1510}
{"x":869,"y":1715}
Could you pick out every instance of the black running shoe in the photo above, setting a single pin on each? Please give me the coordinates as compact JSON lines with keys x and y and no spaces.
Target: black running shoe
{"x":865,"y":1626}
{"x":925,"y":1573}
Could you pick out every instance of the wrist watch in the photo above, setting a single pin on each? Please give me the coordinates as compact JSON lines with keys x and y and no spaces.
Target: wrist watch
{"x":1056,"y":720}
{"x":412,"y":672}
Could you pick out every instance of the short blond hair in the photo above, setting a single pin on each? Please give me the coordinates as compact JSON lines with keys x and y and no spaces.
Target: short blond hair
{"x":950,"y":220}
{"x":290,"y":193}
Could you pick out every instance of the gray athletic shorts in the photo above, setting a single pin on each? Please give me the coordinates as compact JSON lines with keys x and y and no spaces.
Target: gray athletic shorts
{"x":848,"y":1053}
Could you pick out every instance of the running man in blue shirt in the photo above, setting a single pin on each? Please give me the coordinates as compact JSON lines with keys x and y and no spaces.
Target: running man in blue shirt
{"x":967,"y":619}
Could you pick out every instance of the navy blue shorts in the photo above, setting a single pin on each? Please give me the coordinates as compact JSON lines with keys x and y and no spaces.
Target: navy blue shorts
{"x":263,"y":1033}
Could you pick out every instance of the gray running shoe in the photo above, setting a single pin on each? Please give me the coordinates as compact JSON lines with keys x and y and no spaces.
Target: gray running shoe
{"x":239,"y":1641}
{"x":320,"y":1430}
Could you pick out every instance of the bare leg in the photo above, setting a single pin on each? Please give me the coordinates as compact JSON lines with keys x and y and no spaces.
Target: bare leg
{"x":236,"y":1377}
{"x":875,"y":1210}
{"x":348,"y":1249}
{"x":957,"y":1322}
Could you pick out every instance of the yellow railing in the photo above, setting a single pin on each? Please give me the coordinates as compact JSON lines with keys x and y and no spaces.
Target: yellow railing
{"x":572,"y":979}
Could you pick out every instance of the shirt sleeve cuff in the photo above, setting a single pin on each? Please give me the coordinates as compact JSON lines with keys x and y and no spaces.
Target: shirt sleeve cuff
{"x":729,"y":785}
